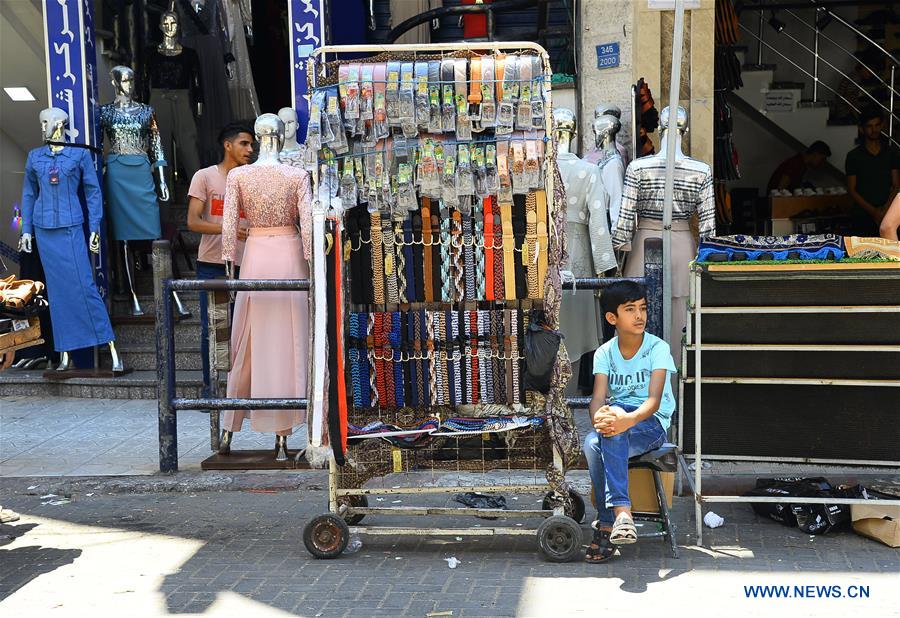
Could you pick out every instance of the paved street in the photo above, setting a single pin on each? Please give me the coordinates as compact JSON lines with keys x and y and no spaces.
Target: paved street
{"x":229,"y":543}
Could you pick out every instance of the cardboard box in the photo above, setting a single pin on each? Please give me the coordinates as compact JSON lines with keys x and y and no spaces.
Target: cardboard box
{"x":881,"y":523}
{"x":642,"y":491}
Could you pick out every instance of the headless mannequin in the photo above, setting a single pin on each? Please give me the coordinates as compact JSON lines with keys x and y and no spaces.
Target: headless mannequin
{"x":53,"y":127}
{"x":123,"y":83}
{"x":270,"y":133}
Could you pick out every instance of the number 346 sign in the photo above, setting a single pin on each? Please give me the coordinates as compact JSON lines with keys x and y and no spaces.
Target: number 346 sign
{"x":607,"y":56}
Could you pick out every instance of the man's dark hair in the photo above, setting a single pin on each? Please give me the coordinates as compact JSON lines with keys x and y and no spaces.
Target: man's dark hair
{"x":819,"y":147}
{"x":232,"y":130}
{"x":620,"y":293}
{"x":870,"y":113}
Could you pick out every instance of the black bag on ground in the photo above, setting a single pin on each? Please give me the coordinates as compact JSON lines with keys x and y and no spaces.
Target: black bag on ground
{"x":783,"y":487}
{"x":541,"y":348}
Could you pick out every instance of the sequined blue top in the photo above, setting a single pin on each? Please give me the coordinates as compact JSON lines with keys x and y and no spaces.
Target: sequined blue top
{"x":132,"y":131}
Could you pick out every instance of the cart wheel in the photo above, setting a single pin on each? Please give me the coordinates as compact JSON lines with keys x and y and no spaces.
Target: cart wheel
{"x":577,"y":505}
{"x":354,"y":502}
{"x":559,"y":538}
{"x":326,"y":536}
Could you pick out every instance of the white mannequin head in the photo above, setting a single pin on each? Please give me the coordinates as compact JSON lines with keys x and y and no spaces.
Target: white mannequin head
{"x":53,"y":123}
{"x":564,"y":128}
{"x":269,"y":131}
{"x":122,"y":81}
{"x":289,"y":117}
{"x":605,"y":128}
{"x":681,"y":120}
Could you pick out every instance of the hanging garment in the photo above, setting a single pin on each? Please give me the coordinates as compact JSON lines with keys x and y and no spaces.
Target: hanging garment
{"x":51,"y":210}
{"x":270,"y":334}
{"x":134,"y":142}
{"x":173,"y":89}
{"x":794,"y":247}
{"x":242,"y":90}
{"x":590,"y":249}
{"x":205,"y":32}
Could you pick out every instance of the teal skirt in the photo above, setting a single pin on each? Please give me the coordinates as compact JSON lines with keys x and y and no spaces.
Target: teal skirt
{"x":131,"y":205}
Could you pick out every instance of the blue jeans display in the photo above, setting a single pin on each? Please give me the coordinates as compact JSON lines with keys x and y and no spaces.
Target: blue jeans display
{"x":607,"y":460}
{"x":206,"y":270}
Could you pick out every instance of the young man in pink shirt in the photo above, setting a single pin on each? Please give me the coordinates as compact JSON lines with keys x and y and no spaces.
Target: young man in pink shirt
{"x":205,"y":210}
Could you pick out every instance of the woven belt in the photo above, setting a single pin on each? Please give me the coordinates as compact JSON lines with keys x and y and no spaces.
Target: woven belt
{"x":456,"y":257}
{"x":425,"y":373}
{"x":390,"y":259}
{"x":446,"y":269}
{"x":354,"y":354}
{"x":518,"y":219}
{"x":514,"y":352}
{"x":373,"y":363}
{"x":531,"y":247}
{"x":497,"y":352}
{"x":400,"y":261}
{"x":488,"y":249}
{"x":440,"y":330}
{"x":485,"y":365}
{"x":397,"y":356}
{"x":511,"y":386}
{"x":478,"y":249}
{"x":474,"y":362}
{"x":456,"y":376}
{"x":417,"y":257}
{"x":543,"y":239}
{"x":378,"y":345}
{"x":377,"y":258}
{"x":427,"y":241}
{"x":468,"y":256}
{"x":509,"y":252}
{"x":432,"y":359}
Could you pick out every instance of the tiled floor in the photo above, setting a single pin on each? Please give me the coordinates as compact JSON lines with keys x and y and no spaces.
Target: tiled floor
{"x":88,"y":437}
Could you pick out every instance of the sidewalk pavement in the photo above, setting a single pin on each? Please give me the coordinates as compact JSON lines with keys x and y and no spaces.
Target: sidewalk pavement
{"x":211,"y":544}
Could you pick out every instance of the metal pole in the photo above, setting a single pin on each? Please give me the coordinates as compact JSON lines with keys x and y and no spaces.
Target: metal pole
{"x":669,"y":190}
{"x":698,"y":383}
{"x":815,"y":61}
{"x":891,"y":121}
{"x":759,"y":40}
{"x":634,"y":124}
{"x":168,"y":429}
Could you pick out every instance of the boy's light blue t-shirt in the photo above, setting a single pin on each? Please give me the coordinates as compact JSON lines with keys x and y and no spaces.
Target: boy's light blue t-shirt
{"x":629,"y":380}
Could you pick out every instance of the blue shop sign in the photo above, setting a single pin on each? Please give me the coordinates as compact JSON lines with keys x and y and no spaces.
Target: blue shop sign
{"x":608,"y":56}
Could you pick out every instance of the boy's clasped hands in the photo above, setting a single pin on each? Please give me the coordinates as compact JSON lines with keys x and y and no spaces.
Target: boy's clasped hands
{"x":612,"y":420}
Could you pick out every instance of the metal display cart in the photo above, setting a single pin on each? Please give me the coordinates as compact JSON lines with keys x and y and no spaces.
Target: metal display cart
{"x":773,"y":331}
{"x":530,"y":459}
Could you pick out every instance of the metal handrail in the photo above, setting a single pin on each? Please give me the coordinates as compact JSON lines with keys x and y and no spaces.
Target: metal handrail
{"x":808,"y":74}
{"x":855,"y":30}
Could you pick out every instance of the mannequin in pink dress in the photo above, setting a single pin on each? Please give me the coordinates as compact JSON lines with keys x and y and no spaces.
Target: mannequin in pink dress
{"x":270,"y":333}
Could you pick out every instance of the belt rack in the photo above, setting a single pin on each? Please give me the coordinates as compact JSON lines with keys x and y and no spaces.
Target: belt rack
{"x":435,"y":180}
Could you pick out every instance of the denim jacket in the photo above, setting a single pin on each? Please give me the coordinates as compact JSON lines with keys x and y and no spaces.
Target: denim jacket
{"x":53,"y":206}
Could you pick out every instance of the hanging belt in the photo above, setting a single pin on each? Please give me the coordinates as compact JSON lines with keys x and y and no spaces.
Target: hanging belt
{"x":397,"y":357}
{"x":475,"y":93}
{"x":446,"y":269}
{"x":425,"y":373}
{"x":353,"y":353}
{"x":434,"y":97}
{"x":440,"y":333}
{"x":423,"y":109}
{"x":455,"y":377}
{"x":456,"y":249}
{"x":468,"y":255}
{"x":379,"y":77}
{"x":509,"y":252}
{"x":448,"y":115}
{"x":478,"y":248}
{"x":427,"y":241}
{"x":497,"y":352}
{"x":511,"y":386}
{"x":430,"y":350}
{"x":499,"y":286}
{"x":474,"y":360}
{"x":417,"y":256}
{"x":400,"y":262}
{"x":530,"y":248}
{"x":514,"y":352}
{"x":390,"y":258}
{"x":488,"y":238}
{"x":370,"y":353}
{"x":523,"y":115}
{"x":413,"y":352}
{"x":411,"y":291}
{"x":463,"y":124}
{"x":488,"y":111}
{"x":377,"y":258}
{"x":392,"y":94}
{"x":484,"y":356}
{"x":542,"y":239}
{"x":518,"y":224}
{"x":379,"y":352}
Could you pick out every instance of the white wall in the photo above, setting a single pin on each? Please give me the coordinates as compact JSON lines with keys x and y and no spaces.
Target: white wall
{"x":827,"y":50}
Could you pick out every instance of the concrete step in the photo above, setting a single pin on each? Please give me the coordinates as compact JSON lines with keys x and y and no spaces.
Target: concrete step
{"x":142,"y":357}
{"x":136,"y":385}
{"x":187,"y":333}
{"x":121,"y":303}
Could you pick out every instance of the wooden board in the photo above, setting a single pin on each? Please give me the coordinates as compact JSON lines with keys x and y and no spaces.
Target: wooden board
{"x":787,"y":207}
{"x":24,"y":338}
{"x":253,"y":460}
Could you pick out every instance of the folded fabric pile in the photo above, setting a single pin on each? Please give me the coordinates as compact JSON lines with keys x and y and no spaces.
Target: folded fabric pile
{"x":741,"y":248}
{"x":872,"y":248}
{"x":21,"y":297}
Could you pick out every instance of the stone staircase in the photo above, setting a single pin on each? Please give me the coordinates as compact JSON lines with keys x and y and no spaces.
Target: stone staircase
{"x":135,"y":341}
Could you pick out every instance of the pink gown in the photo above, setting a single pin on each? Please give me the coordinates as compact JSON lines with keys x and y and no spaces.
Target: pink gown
{"x":270,"y":331}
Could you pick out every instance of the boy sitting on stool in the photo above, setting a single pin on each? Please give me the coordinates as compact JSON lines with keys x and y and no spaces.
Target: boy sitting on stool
{"x":631,"y":372}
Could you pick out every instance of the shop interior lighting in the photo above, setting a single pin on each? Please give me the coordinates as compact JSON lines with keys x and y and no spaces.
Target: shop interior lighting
{"x":19,"y":94}
{"x":824,"y":18}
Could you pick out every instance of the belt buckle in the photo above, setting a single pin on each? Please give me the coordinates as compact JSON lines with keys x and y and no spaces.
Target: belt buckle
{"x":475,"y":117}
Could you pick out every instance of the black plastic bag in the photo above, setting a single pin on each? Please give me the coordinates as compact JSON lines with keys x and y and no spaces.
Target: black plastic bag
{"x":784,"y":487}
{"x":541,"y":348}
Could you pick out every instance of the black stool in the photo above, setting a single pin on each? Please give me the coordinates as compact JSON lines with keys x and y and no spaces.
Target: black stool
{"x":663,"y":459}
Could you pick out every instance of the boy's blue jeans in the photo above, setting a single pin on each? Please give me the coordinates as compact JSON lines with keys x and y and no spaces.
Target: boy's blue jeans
{"x":206,"y":270}
{"x":607,"y":460}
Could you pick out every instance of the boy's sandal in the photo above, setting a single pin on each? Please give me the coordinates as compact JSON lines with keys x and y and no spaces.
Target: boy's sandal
{"x":600,"y":549}
{"x":624,"y":531}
